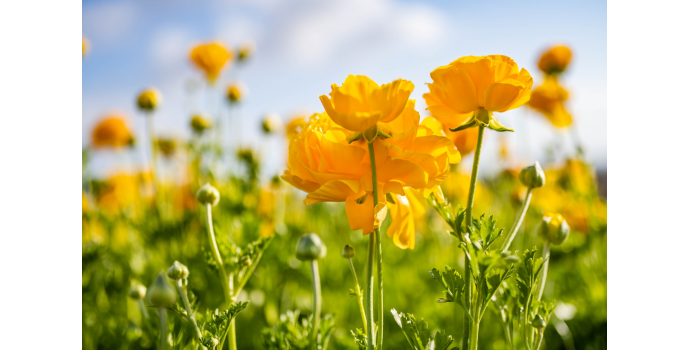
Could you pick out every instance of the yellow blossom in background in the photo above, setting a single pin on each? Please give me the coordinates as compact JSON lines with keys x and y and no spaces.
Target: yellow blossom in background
{"x":111,"y":131}
{"x":199,"y":123}
{"x":149,"y":99}
{"x":271,"y":123}
{"x":84,"y":46}
{"x":211,"y":58}
{"x":119,"y":192}
{"x":235,"y":92}
{"x":549,"y":99}
{"x":555,"y":60}
{"x":246,"y":50}
{"x":322,"y":163}
{"x":360,"y":102}
{"x":470,"y":89}
{"x":295,"y":125}
{"x":166,"y":146}
{"x":84,"y":203}
{"x":456,"y":188}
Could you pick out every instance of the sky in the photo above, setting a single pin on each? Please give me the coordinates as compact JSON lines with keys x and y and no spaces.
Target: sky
{"x":304,"y":46}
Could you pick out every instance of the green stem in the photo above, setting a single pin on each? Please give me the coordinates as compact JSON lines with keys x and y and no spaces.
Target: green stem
{"x":468,"y":212}
{"x":163,"y":318}
{"x":142,"y":307}
{"x":359,"y":295}
{"x":370,"y":291}
{"x":188,"y":307}
{"x":154,"y":153}
{"x":518,"y":221}
{"x":379,"y":257}
{"x":316,"y":299}
{"x":542,"y":278}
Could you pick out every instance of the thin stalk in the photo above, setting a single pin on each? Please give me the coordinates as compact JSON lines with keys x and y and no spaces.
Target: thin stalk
{"x":316,"y":300}
{"x":359,"y":295}
{"x":470,"y":201}
{"x":518,"y":221}
{"x":539,"y":339}
{"x":188,"y":307}
{"x":163,"y":318}
{"x":154,"y":153}
{"x":370,"y":291}
{"x":142,"y":307}
{"x":546,"y":252}
{"x":379,"y":258}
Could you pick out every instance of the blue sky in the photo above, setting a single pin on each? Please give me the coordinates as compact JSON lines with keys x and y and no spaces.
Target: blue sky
{"x":305,"y":46}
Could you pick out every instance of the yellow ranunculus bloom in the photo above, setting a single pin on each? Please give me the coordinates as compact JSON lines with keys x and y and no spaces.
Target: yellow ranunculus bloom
{"x":360,"y":102}
{"x":149,"y":99}
{"x":111,"y":131}
{"x":293,"y":128}
{"x":211,"y":58}
{"x":468,"y":90}
{"x":465,"y":141}
{"x":199,"y":123}
{"x":548,"y":99}
{"x":121,"y":191}
{"x":322,"y":163}
{"x":555,"y":60}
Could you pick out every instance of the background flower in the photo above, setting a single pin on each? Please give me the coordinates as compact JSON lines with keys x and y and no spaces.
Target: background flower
{"x":112,"y":131}
{"x":211,"y":58}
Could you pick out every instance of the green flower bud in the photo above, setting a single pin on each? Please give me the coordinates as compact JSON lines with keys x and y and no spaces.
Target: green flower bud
{"x":149,"y":99}
{"x":178,"y":271}
{"x":532,"y":176}
{"x":271,"y":123}
{"x":199,"y":123}
{"x":208,"y":195}
{"x":538,"y":322}
{"x":137,"y":290}
{"x":554,"y":228}
{"x":348,"y":251}
{"x":310,"y":247}
{"x":162,"y":293}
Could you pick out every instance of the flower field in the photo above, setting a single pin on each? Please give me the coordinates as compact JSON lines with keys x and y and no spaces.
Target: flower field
{"x":379,"y":232}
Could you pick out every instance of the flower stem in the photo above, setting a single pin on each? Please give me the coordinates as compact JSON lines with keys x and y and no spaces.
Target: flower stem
{"x":359,"y":295}
{"x":223,"y":275}
{"x":370,"y":291}
{"x":316,"y":299}
{"x":163,"y":318}
{"x":188,"y":307}
{"x":546,"y":252}
{"x":518,"y":221}
{"x":142,"y":307}
{"x":154,"y":153}
{"x":468,"y":224}
{"x":379,"y":258}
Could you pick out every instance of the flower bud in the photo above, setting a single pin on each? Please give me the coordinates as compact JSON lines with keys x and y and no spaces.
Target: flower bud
{"x":208,"y":194}
{"x":538,"y":322}
{"x":554,"y":228}
{"x":235,"y":92}
{"x":310,"y":247}
{"x":348,"y":251}
{"x":532,"y":176}
{"x":162,"y":293}
{"x":137,"y":290}
{"x":271,"y":123}
{"x":245,"y":51}
{"x":178,"y":271}
{"x":149,"y":100}
{"x":199,"y":123}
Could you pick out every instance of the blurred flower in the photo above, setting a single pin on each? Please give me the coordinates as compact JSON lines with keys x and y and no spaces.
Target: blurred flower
{"x":236,"y":92}
{"x":554,"y":229}
{"x":469,"y":90}
{"x":456,"y":188}
{"x":295,"y":125}
{"x":360,"y":102}
{"x":322,"y":163}
{"x":211,"y":58}
{"x":579,"y":177}
{"x":548,"y":99}
{"x":246,"y":50}
{"x":84,"y":46}
{"x":555,"y":60}
{"x":112,"y":131}
{"x":199,"y":123}
{"x":465,"y":141}
{"x":84,"y":203}
{"x":149,"y":100}
{"x":118,"y":192}
{"x":166,"y":146}
{"x":271,"y":123}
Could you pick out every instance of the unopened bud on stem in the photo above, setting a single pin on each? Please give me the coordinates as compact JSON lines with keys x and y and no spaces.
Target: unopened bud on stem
{"x":310,"y":247}
{"x":554,"y":228}
{"x":208,"y":194}
{"x":348,"y":251}
{"x":162,"y":293}
{"x":532,"y":176}
{"x":178,"y":271}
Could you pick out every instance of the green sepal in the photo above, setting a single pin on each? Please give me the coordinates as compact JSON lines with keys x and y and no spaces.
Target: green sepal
{"x":354,"y":137}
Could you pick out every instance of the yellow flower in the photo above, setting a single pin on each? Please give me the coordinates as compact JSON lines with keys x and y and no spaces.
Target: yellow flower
{"x":245,"y":51}
{"x":120,"y":191}
{"x":324,"y":164}
{"x":360,"y":102}
{"x":555,"y":60}
{"x":166,"y":146}
{"x":271,"y":123}
{"x":199,"y":123}
{"x":469,"y":90}
{"x":112,"y":131}
{"x":149,"y":100}
{"x":84,"y":46}
{"x":293,"y":128}
{"x":235,"y":92}
{"x":548,"y":99}
{"x":457,"y":187}
{"x":84,"y":203}
{"x":465,"y":141}
{"x":211,"y":58}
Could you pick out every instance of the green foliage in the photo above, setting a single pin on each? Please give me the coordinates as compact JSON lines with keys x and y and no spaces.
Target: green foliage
{"x":419,"y":336}
{"x":215,"y":324}
{"x":292,"y":332}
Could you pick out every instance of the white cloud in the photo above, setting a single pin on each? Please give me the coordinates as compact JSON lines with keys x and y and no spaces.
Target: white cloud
{"x":108,"y":23}
{"x":168,"y":47}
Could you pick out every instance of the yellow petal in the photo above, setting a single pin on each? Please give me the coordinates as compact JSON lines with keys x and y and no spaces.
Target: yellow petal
{"x":500,"y":95}
{"x":402,"y":223}
{"x":333,"y":191}
{"x":360,"y":216}
{"x":380,"y":212}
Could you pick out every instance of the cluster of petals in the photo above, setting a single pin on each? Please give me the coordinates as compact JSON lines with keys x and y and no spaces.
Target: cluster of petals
{"x":473,"y":84}
{"x":555,"y":60}
{"x":211,"y":58}
{"x":549,"y":99}
{"x":414,"y":158}
{"x":111,"y":131}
